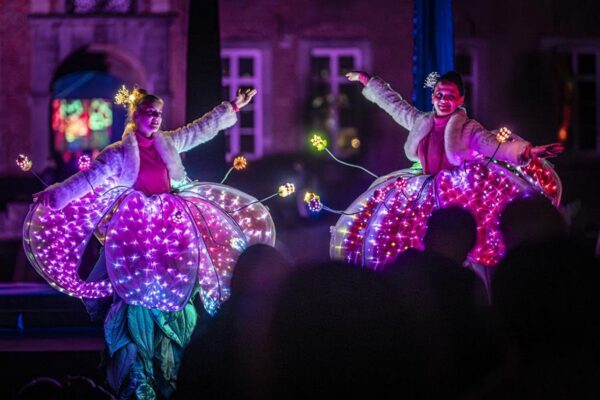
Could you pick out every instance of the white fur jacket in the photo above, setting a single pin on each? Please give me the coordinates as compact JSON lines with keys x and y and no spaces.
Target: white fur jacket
{"x":464,"y":138}
{"x":121,"y":159}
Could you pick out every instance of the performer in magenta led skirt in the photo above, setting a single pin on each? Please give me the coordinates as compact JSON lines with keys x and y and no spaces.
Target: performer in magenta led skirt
{"x":165,"y":239}
{"x":458,"y":162}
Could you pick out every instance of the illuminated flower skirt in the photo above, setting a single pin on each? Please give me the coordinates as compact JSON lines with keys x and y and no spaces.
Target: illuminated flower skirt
{"x":391,"y":216}
{"x":157,"y":248}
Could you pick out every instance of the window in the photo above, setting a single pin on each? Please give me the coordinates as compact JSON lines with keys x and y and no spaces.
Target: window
{"x":583,"y":99}
{"x":334,"y":101}
{"x":576,"y":79}
{"x":242,"y":68}
{"x":81,"y":126}
{"x":467,"y":62}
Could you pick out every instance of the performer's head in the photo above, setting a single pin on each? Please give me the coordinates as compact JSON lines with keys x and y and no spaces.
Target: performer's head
{"x":145,"y":112}
{"x":448,"y":93}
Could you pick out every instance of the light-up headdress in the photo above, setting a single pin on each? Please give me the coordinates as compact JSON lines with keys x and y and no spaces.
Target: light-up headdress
{"x":431,"y":80}
{"x":125,"y":97}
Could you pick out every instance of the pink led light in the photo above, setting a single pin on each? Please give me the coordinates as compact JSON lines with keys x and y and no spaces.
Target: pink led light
{"x":152,"y":261}
{"x":255,"y":220}
{"x":392,"y":215}
{"x":313,"y":201}
{"x":156,"y":247}
{"x":84,"y":162}
{"x":24,"y":162}
{"x":55,"y":241}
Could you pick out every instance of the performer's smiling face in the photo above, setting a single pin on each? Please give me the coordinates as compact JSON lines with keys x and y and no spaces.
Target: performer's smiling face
{"x":446,"y":98}
{"x":148,"y":118}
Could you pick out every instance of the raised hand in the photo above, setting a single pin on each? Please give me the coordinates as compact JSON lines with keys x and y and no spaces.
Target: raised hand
{"x":547,"y":150}
{"x":243,"y":97}
{"x":358,"y":76}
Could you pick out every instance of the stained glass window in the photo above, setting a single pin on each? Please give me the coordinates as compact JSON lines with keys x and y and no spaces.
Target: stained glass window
{"x":81,"y":125}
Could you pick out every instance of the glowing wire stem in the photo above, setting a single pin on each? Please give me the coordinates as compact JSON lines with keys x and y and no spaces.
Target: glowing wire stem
{"x":350,"y":164}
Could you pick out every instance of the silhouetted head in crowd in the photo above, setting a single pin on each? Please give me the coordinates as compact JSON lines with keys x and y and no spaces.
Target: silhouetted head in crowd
{"x":41,"y":388}
{"x":531,"y":219}
{"x":546,"y":298}
{"x":451,"y":232}
{"x":260,"y":269}
{"x":231,"y":358}
{"x":73,"y":387}
{"x":81,"y":387}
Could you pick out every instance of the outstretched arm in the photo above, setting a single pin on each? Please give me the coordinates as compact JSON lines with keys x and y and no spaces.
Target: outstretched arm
{"x":515,"y":151}
{"x":206,"y":127}
{"x":380,"y":92}
{"x":58,"y":195}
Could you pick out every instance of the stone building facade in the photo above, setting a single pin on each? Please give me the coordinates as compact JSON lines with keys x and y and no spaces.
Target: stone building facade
{"x":140,"y":42}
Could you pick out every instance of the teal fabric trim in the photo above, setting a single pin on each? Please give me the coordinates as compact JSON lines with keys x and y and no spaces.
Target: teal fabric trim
{"x":141,"y":329}
{"x":145,"y":348}
{"x":115,"y":327}
{"x":177,"y":326}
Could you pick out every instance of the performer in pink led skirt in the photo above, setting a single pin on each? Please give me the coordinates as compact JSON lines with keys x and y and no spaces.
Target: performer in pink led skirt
{"x":458,"y":162}
{"x":165,"y":239}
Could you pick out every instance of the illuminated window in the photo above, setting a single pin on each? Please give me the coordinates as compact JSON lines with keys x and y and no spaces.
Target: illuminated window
{"x":575,"y":77}
{"x":577,"y":80}
{"x":81,"y":125}
{"x":242,"y":68}
{"x":335,"y":101}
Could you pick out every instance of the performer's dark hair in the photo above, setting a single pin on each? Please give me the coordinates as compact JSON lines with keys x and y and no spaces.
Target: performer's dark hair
{"x":453,"y":77}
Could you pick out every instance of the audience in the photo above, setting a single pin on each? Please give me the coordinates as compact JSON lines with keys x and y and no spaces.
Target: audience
{"x":546,"y":303}
{"x":71,"y":388}
{"x":445,"y":305}
{"x":337,"y":332}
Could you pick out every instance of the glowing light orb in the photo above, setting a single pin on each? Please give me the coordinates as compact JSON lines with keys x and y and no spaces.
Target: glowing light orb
{"x":503,"y":134}
{"x":286,"y":189}
{"x":24,"y":162}
{"x":313,"y":201}
{"x":240,"y":163}
{"x":84,"y":163}
{"x":319,"y":142}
